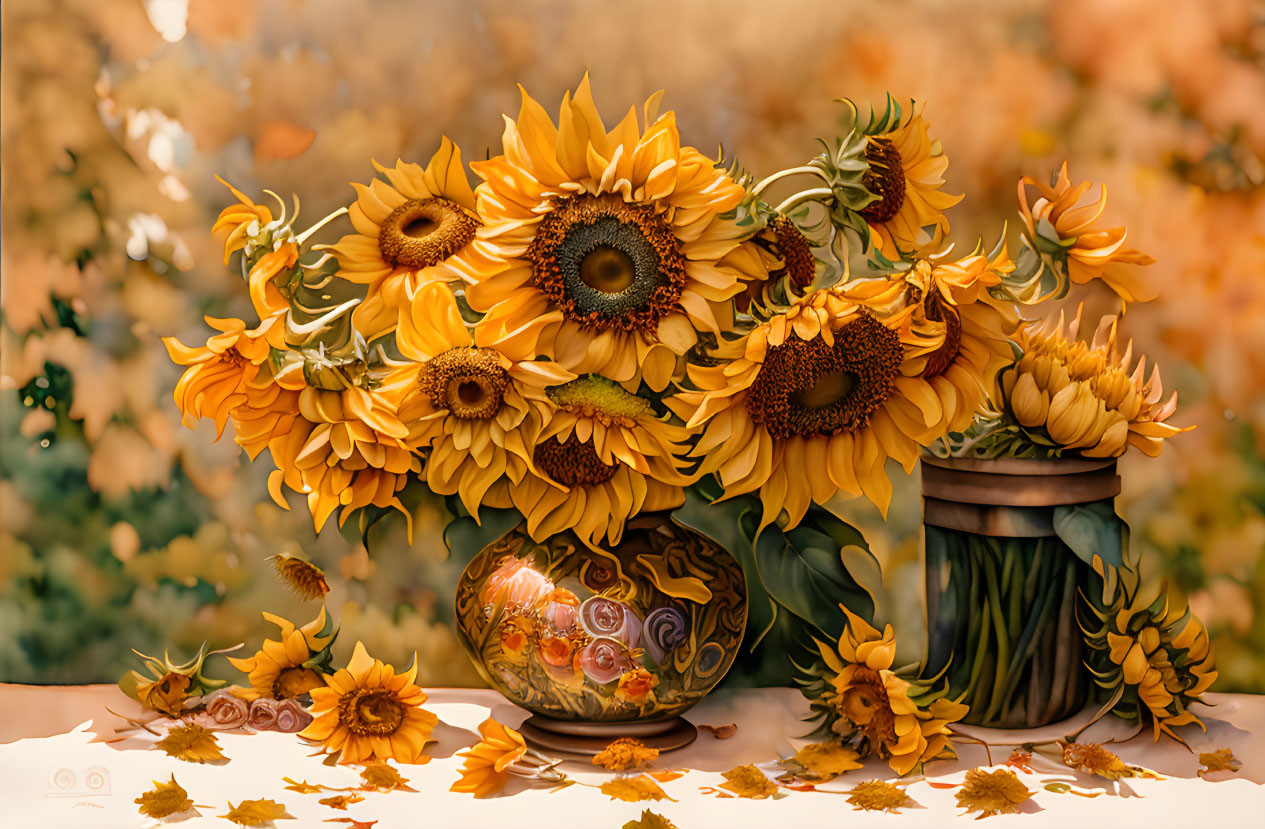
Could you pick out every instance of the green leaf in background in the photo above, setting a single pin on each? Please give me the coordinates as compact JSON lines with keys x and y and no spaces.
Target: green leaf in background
{"x":465,"y":537}
{"x":1093,"y":530}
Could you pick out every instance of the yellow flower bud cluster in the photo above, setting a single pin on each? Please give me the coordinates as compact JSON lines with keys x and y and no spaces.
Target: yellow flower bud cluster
{"x":1083,"y":394}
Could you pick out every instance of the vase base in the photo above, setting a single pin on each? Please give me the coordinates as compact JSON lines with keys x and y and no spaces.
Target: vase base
{"x":589,"y":738}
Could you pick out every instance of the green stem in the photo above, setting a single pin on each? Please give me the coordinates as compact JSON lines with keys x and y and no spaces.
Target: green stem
{"x":1003,"y":641}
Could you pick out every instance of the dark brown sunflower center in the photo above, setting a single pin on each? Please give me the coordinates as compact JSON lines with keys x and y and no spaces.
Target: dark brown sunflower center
{"x":796,"y":253}
{"x":468,"y":382}
{"x":809,"y":388}
{"x":938,"y":310}
{"x":370,"y":713}
{"x":885,"y":179}
{"x":607,"y":263}
{"x":424,"y":232}
{"x":868,"y":705}
{"x":572,"y":463}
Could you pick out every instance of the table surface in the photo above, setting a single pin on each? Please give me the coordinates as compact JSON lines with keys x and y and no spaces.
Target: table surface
{"x":46,"y":732}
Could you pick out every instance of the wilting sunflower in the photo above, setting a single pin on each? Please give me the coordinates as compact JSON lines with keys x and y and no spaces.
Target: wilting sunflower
{"x":280,"y":669}
{"x":1084,"y":394}
{"x":486,"y":765}
{"x":1087,"y":252}
{"x":220,"y":372}
{"x":367,"y":711}
{"x":346,"y":448}
{"x":906,"y":172}
{"x":871,"y":701}
{"x":604,"y":456}
{"x":415,"y":227}
{"x":812,"y":402}
{"x":620,"y":230}
{"x":476,"y":400}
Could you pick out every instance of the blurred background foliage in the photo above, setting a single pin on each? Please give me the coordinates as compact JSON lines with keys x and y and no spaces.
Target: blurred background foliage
{"x":119,"y":528}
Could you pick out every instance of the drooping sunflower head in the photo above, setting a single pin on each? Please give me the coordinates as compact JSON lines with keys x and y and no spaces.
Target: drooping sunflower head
{"x":367,"y":711}
{"x":604,"y":455}
{"x":414,"y":227}
{"x":905,"y":175}
{"x":291,"y":665}
{"x":619,"y":230}
{"x":810,"y":403}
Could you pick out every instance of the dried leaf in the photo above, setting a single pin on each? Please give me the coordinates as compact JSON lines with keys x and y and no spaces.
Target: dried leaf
{"x":650,"y":820}
{"x":632,"y":789}
{"x":1066,"y":788}
{"x":878,"y":796}
{"x":382,"y":777}
{"x":302,"y":788}
{"x":354,"y":824}
{"x":300,"y":575}
{"x":625,"y":753}
{"x":341,"y":801}
{"x":748,"y":781}
{"x":720,"y":732}
{"x":164,"y":799}
{"x":256,"y":812}
{"x":1222,"y":759}
{"x":1020,"y":759}
{"x":191,"y":743}
{"x":668,"y":775}
{"x":820,"y":762}
{"x":992,"y":793}
{"x":1092,"y":758}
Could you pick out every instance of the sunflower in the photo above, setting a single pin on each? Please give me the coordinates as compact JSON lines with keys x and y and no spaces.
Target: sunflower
{"x":604,"y":456}
{"x":906,"y":172}
{"x":871,"y":701}
{"x":415,"y":227}
{"x":620,"y":230}
{"x":280,"y":669}
{"x":221,"y":372}
{"x":812,"y":402}
{"x":367,"y":711}
{"x":1084,"y":395}
{"x":1088,"y":252}
{"x":485,"y":769}
{"x":269,"y":249}
{"x":346,"y":448}
{"x":477,"y":401}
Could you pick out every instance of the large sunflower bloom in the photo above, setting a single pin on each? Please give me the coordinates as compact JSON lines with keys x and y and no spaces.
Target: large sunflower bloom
{"x":603,"y":457}
{"x":486,"y":765}
{"x":906,"y":172}
{"x":618,"y":229}
{"x":276,"y":670}
{"x":812,"y":402}
{"x":477,"y":401}
{"x":870,"y":698}
{"x":414,"y":227}
{"x":346,"y":449}
{"x":1090,"y":252}
{"x":220,"y":372}
{"x":367,"y":711}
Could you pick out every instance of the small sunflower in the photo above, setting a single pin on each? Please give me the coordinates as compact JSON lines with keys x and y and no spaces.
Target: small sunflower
{"x":870,"y":700}
{"x":812,"y":402}
{"x":476,"y":400}
{"x":620,"y":230}
{"x":604,"y":456}
{"x":413,"y":228}
{"x":1087,"y":252}
{"x":287,"y":667}
{"x":367,"y":711}
{"x":906,"y":172}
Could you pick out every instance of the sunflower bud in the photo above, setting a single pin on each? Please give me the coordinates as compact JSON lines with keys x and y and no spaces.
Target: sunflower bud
{"x":1029,"y":403}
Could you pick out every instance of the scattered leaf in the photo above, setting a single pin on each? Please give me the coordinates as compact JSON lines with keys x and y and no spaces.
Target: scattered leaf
{"x":341,"y":801}
{"x":1092,"y":758}
{"x":935,"y":784}
{"x":749,"y":781}
{"x":300,"y":575}
{"x":625,"y":753}
{"x":667,"y":776}
{"x":1222,"y":759}
{"x":355,"y":824}
{"x":632,"y":789}
{"x":302,"y":788}
{"x":191,"y":743}
{"x":720,"y":732}
{"x":164,"y":799}
{"x":992,"y":793}
{"x":256,"y":812}
{"x":1066,"y":788}
{"x":649,"y":820}
{"x":382,"y":777}
{"x":820,"y":762}
{"x":878,"y":796}
{"x":1020,"y":759}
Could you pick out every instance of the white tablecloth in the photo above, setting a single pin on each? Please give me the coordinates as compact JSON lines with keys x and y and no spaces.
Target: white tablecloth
{"x":49,"y":736}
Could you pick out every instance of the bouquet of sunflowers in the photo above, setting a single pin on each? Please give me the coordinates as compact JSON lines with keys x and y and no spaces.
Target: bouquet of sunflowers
{"x":612,"y":323}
